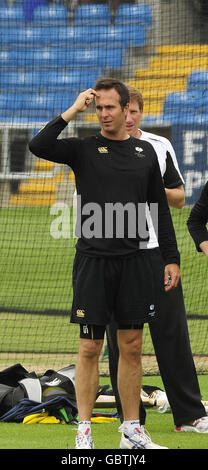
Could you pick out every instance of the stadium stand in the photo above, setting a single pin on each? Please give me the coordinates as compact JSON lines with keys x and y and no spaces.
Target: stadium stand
{"x":50,"y":14}
{"x":134,"y":14}
{"x":12,"y":15}
{"x":31,"y":53}
{"x":98,"y":14}
{"x":171,"y":70}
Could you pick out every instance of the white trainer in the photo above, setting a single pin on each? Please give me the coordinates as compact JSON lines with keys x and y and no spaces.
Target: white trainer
{"x":137,"y":440}
{"x":199,"y":425}
{"x":84,"y":440}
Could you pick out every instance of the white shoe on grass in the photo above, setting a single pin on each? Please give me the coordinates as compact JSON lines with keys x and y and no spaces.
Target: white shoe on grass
{"x":84,"y":441}
{"x":199,"y":425}
{"x":137,"y":440}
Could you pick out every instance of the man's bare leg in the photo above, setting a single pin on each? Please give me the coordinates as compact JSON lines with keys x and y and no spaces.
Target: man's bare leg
{"x":130,"y":372}
{"x":129,"y":385}
{"x":87,"y":376}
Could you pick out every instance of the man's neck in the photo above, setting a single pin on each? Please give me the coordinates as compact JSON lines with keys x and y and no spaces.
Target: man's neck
{"x":138,"y":134}
{"x":117,"y":136}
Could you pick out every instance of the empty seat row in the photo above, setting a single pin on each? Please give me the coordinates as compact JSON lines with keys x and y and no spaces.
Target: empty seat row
{"x":99,"y":14}
{"x":60,"y":57}
{"x":191,"y":119}
{"x":73,"y":80}
{"x":69,"y":35}
{"x":36,"y":101}
{"x":198,"y":79}
{"x":186,"y":107}
{"x":187,"y":101}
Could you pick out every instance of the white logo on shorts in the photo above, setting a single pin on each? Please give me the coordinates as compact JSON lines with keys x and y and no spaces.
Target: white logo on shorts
{"x":152,"y":310}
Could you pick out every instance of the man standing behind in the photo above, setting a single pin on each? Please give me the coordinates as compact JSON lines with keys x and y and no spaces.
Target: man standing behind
{"x":170,"y":332}
{"x":112,"y":274}
{"x":197,"y":221}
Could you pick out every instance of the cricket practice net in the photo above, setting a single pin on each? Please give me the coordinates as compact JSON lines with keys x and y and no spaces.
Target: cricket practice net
{"x":49,"y":52}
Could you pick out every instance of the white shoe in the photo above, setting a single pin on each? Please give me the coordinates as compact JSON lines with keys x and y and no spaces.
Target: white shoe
{"x":84,"y":441}
{"x":199,"y":425}
{"x":137,"y":440}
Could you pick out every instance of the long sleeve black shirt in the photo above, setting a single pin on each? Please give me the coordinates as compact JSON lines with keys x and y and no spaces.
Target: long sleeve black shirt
{"x":198,"y":219}
{"x":111,"y":171}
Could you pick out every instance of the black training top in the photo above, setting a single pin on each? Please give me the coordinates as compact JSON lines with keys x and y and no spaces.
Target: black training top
{"x":110,"y":171}
{"x":198,"y":219}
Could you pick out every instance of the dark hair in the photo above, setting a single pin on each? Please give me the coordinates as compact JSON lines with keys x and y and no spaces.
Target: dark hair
{"x":108,"y":83}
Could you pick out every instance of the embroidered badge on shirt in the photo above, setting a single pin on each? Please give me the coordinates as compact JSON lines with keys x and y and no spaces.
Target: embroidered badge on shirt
{"x":103,"y":149}
{"x":138,"y":152}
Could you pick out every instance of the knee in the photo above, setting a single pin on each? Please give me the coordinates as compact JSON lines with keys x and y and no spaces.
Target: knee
{"x":130,"y":346}
{"x":90,"y":349}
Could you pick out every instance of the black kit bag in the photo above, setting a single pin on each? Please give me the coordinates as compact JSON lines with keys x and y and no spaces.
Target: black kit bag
{"x":51,"y":390}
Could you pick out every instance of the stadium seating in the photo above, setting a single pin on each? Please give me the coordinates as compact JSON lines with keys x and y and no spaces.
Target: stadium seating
{"x":52,"y":101}
{"x":23,"y":37}
{"x":135,"y":35}
{"x":50,"y":14}
{"x":44,"y":57}
{"x":98,"y":14}
{"x":43,"y":80}
{"x":134,"y":14}
{"x":187,"y":101}
{"x":11,"y":16}
{"x":198,"y":79}
{"x":187,"y":108}
{"x":182,"y":49}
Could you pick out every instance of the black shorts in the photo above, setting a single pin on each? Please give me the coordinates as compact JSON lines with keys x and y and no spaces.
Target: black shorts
{"x":113,"y":288}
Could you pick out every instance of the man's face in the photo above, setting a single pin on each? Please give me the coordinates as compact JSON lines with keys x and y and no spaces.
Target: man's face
{"x":133,"y":118}
{"x":109,"y":112}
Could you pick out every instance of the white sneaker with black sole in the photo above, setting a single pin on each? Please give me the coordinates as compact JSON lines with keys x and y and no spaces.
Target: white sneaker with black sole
{"x":137,"y":440}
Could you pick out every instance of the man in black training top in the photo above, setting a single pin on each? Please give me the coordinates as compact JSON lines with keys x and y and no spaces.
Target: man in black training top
{"x":116,"y":176}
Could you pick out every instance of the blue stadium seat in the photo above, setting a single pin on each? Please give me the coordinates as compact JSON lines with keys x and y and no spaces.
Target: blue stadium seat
{"x":133,"y":14}
{"x":185,"y":102}
{"x":61,"y":56}
{"x":77,"y":35}
{"x":28,"y":115}
{"x":5,"y":59}
{"x":183,"y":108}
{"x":112,"y":58}
{"x":124,"y":35}
{"x":50,"y":14}
{"x":98,"y":14}
{"x":3,"y":101}
{"x":11,"y":16}
{"x":136,"y":34}
{"x":41,"y":58}
{"x":71,"y":80}
{"x":205,"y":101}
{"x":29,"y":7}
{"x":59,"y":102}
{"x":24,"y":37}
{"x":87,"y":57}
{"x":198,"y":79}
{"x":27,"y":80}
{"x":92,"y":35}
{"x":31,"y":103}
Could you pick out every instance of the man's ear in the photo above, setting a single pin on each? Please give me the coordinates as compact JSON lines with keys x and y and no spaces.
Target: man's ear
{"x":126,"y":108}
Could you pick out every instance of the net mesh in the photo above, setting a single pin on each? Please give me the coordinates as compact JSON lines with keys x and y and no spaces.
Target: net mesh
{"x":50,"y":51}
